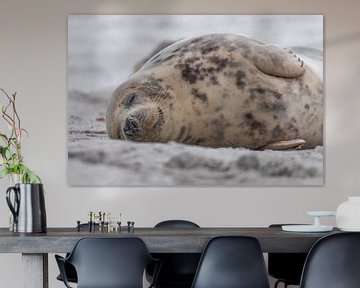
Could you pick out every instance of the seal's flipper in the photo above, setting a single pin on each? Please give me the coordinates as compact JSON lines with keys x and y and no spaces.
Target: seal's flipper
{"x":277,"y":62}
{"x":284,"y":145}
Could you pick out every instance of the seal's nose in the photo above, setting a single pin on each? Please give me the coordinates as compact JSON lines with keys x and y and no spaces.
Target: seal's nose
{"x":131,"y":127}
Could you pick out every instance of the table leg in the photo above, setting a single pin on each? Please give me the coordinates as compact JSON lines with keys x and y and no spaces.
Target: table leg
{"x":35,"y":270}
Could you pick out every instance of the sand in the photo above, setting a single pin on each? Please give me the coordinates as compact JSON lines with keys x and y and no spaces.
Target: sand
{"x":94,"y":159}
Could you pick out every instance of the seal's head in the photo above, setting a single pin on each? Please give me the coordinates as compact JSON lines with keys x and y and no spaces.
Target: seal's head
{"x":137,"y":111}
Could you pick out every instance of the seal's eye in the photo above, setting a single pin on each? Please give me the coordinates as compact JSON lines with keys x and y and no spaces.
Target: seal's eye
{"x":130,"y":100}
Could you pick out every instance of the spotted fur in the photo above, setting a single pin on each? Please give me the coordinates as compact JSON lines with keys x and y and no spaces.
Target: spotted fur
{"x":220,"y":90}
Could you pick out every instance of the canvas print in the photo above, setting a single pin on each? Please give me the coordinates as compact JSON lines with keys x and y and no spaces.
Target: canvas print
{"x":195,"y":100}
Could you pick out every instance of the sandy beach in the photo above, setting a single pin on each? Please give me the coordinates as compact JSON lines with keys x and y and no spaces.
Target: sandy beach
{"x":94,"y":159}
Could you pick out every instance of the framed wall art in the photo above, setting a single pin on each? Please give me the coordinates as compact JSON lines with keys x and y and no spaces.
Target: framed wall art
{"x":195,"y":100}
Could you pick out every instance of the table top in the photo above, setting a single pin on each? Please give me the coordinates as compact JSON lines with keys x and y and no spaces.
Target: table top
{"x":158,"y":240}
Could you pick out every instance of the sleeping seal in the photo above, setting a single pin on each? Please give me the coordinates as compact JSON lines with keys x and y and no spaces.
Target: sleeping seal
{"x":220,"y":90}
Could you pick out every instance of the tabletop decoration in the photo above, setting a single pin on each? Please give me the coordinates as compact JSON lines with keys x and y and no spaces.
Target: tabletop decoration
{"x":12,"y":160}
{"x":348,"y":214}
{"x":25,"y":197}
{"x":315,"y":227}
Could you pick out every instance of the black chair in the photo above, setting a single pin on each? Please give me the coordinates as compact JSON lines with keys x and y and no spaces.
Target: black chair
{"x":70,"y":273}
{"x":286,"y":267}
{"x":108,"y":263}
{"x":232,"y":262}
{"x":69,"y":269}
{"x":178,"y":269}
{"x":333,"y":262}
{"x":176,"y":224}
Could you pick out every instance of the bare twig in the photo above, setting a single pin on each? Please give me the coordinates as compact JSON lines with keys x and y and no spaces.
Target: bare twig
{"x":14,"y":123}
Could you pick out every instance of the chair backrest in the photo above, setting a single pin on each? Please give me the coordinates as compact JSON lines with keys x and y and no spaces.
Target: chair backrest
{"x":333,"y":262}
{"x":286,"y":267}
{"x":110,"y":262}
{"x":178,"y":269}
{"x":176,"y":224}
{"x":232,"y":262}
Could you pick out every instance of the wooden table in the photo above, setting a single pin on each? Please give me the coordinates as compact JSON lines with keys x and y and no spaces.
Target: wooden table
{"x":35,"y":247}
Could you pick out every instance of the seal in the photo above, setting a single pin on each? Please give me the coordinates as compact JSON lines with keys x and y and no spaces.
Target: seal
{"x":220,"y":90}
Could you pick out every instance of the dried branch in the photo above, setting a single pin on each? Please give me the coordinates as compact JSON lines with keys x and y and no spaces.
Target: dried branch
{"x":12,"y":159}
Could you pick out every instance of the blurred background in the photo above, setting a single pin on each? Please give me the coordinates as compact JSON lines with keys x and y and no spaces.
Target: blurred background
{"x":103,"y":49}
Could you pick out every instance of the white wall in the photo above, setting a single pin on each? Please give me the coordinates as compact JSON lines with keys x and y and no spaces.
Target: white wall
{"x":33,"y":60}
